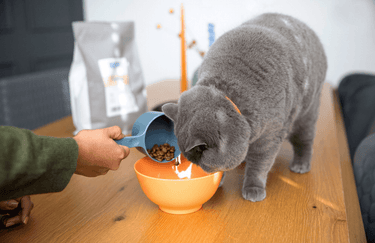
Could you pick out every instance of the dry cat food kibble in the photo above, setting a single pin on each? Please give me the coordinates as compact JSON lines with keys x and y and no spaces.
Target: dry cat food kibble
{"x":161,"y":152}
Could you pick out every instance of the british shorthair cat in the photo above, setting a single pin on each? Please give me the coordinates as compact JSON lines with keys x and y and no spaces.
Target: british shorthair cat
{"x":272,"y":68}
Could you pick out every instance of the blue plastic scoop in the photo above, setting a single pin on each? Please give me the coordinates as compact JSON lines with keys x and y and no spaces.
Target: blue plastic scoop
{"x":149,"y":129}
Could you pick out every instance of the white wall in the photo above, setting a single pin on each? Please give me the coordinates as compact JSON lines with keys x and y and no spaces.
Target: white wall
{"x":346,"y":29}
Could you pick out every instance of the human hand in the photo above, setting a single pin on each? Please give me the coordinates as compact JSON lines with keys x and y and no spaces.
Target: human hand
{"x":16,"y":211}
{"x":98,"y":152}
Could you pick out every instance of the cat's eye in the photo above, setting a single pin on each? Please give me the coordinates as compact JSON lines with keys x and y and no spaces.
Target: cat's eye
{"x":202,"y":147}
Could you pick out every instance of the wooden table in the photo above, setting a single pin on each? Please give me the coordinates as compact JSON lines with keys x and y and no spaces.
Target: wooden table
{"x":320,"y":206}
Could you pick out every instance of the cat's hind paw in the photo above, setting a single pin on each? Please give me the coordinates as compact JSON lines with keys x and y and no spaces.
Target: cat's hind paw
{"x":300,"y":168}
{"x":254,"y":194}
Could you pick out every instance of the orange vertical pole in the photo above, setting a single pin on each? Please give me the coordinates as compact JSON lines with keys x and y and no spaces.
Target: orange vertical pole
{"x":183,"y":84}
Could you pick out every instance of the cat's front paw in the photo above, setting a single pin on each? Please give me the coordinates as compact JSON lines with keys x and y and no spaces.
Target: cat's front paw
{"x":300,"y":168}
{"x":222,"y":179}
{"x":254,"y":194}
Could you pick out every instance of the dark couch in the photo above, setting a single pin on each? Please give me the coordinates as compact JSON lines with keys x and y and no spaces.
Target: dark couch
{"x":357,"y":97}
{"x":35,"y":99}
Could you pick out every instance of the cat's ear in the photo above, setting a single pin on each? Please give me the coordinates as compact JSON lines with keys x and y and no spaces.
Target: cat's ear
{"x":170,"y":110}
{"x":194,"y":143}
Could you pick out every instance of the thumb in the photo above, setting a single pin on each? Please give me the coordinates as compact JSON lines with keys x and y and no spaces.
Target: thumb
{"x":127,"y":150}
{"x":114,"y":132}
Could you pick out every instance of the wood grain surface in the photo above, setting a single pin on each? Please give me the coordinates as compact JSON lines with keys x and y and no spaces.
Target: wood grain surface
{"x":112,"y":208}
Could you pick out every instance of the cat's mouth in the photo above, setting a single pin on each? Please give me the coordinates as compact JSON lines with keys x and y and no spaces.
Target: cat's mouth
{"x":204,"y":167}
{"x":209,"y":169}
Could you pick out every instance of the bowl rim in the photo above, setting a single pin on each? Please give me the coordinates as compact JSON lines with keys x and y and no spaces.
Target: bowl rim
{"x":180,"y":179}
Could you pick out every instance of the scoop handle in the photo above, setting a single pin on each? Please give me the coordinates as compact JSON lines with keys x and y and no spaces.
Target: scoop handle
{"x":130,"y":142}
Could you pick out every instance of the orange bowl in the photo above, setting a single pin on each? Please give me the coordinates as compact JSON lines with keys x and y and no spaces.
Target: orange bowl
{"x":170,"y":187}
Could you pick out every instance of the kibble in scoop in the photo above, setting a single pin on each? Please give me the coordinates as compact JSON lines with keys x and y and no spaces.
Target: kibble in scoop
{"x":162,"y":152}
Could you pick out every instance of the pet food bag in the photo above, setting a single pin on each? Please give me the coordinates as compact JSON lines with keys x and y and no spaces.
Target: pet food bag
{"x":105,"y":80}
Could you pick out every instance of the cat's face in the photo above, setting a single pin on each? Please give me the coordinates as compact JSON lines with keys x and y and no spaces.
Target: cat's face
{"x":210,"y":132}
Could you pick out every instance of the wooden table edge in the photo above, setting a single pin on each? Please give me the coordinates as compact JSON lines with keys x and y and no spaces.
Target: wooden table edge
{"x":352,"y":207}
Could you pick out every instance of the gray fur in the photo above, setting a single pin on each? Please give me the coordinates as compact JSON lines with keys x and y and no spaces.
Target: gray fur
{"x":273,"y":68}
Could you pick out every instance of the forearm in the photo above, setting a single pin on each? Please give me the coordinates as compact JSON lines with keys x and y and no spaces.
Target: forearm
{"x":31,"y":164}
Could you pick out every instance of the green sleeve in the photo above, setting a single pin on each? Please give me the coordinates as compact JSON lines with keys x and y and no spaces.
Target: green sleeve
{"x":32,"y":164}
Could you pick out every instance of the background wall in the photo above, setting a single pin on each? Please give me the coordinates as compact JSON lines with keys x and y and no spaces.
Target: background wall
{"x":346,"y":29}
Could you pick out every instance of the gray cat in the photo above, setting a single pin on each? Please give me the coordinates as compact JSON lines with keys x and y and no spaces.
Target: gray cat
{"x":273,"y":68}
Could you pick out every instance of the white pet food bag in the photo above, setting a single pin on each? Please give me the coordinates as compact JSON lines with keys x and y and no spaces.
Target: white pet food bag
{"x":106,"y":82}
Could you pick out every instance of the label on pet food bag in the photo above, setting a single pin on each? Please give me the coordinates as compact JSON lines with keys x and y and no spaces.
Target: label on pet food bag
{"x":118,"y":95}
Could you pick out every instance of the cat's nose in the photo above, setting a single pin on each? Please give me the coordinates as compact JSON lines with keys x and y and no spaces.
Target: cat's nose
{"x":192,"y":159}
